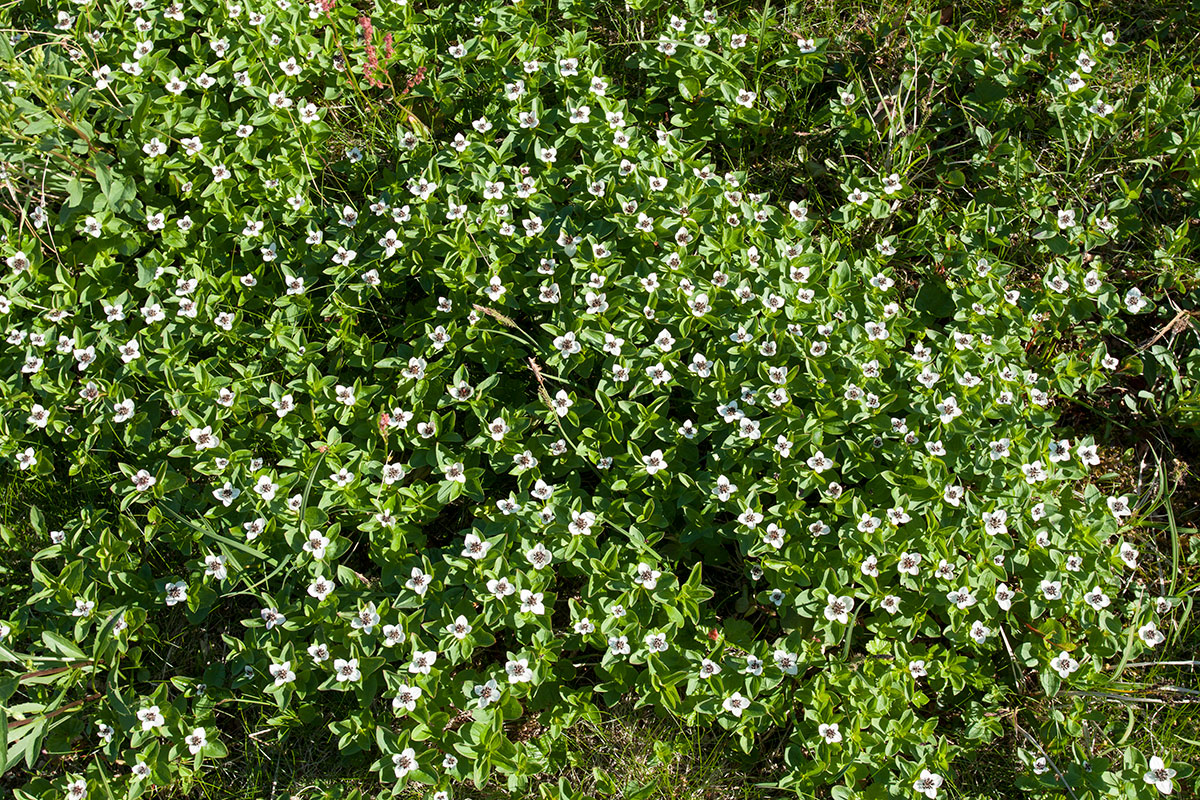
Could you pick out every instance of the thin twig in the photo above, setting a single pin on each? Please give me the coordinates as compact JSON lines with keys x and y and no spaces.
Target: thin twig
{"x":1164,"y":664}
{"x":41,"y":673}
{"x":55,"y":712}
{"x":1046,"y":756}
{"x":1012,"y":659}
{"x":1116,"y":698}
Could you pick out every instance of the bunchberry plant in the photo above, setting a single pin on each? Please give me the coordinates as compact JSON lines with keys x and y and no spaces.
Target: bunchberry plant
{"x":446,"y":384}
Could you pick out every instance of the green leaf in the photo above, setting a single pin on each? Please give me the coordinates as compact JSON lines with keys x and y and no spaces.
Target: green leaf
{"x":110,"y":186}
{"x":3,"y":742}
{"x":37,"y":521}
{"x":954,"y":178}
{"x":62,"y":646}
{"x":1051,"y":682}
{"x":34,"y":739}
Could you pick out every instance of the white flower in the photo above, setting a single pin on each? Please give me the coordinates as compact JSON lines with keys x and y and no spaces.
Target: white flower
{"x":562,"y":403}
{"x":1119,"y":506}
{"x":962,"y":598}
{"x":282,"y":673}
{"x":948,"y":409}
{"x":646,"y":577}
{"x":214,"y":565}
{"x":422,"y":662}
{"x":346,"y":670}
{"x":656,"y":642}
{"x":154,"y":148}
{"x":1004,"y":596}
{"x":321,"y":587}
{"x":1097,"y":599}
{"x":745,"y":98}
{"x":1064,"y":665}
{"x":150,"y":717}
{"x":910,"y":564}
{"x":581,"y":523}
{"x":735,"y":704}
{"x":130,"y":351}
{"x":392,"y":473}
{"x":405,"y":761}
{"x":203,"y":438}
{"x":419,"y":581}
{"x":829,"y":733}
{"x":392,"y":635}
{"x":654,"y":462}
{"x":531,"y":602}
{"x":295,"y":285}
{"x":272,"y":617}
{"x":1135,"y":301}
{"x":539,"y":556}
{"x":475,"y":547}
{"x":316,"y":544}
{"x":618,"y":645}
{"x":1159,"y":775}
{"x":838,"y":608}
{"x":266,"y":488}
{"x":226,"y":494}
{"x":658,"y":374}
{"x":774,"y":536}
{"x":487,"y":693}
{"x":26,"y":459}
{"x":819,"y":462}
{"x":1151,"y":635}
{"x":176,"y":593}
{"x":788,"y":662}
{"x":459,"y":628}
{"x":567,"y":344}
{"x":868,"y":523}
{"x":995,"y":522}
{"x":519,"y":671}
{"x":406,"y":697}
{"x":196,"y":740}
{"x":928,"y":783}
{"x":366,"y":619}
{"x":344,"y":394}
{"x":724,"y":489}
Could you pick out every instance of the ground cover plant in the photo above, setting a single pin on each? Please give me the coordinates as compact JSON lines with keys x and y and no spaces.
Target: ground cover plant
{"x":430,"y":380}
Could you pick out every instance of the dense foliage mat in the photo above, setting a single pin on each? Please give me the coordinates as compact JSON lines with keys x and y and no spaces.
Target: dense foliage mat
{"x":430,"y":371}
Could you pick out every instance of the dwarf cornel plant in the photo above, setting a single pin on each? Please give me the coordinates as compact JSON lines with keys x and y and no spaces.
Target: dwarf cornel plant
{"x":430,"y":372}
